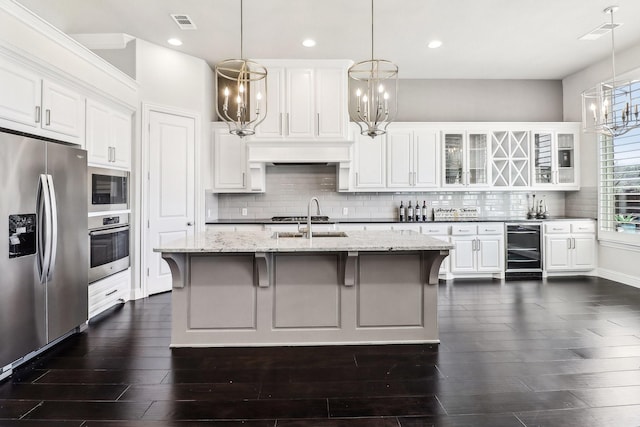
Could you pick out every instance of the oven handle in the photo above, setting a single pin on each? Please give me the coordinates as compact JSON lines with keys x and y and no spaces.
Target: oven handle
{"x":102,"y":232}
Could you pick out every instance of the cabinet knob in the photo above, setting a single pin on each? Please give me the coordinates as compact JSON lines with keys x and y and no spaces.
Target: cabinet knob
{"x":189,"y":224}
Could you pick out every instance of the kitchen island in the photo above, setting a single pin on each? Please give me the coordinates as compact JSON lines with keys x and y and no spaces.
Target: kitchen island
{"x":260,"y":288}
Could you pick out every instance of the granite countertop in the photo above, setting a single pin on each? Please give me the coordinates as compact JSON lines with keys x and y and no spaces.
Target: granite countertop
{"x":265,"y":241}
{"x":391,"y":220}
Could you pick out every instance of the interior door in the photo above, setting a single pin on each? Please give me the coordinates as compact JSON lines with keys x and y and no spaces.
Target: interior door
{"x":171,"y":190}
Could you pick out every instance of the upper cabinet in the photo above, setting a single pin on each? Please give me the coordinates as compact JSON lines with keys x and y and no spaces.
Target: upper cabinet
{"x":412,"y":158}
{"x":306,"y":100}
{"x":369,"y":162}
{"x":108,"y":136}
{"x":39,"y":105}
{"x":510,"y":162}
{"x":466,"y":159}
{"x":554,"y":154}
{"x":232,"y":172}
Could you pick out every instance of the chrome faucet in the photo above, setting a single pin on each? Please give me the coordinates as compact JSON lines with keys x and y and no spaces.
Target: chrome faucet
{"x":318,"y":212}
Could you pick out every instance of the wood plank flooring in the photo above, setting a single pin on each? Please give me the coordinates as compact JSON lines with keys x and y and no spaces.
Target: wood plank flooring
{"x":563,"y":352}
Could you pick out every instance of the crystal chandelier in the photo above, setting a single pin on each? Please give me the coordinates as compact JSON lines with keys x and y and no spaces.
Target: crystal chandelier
{"x":373,"y":89}
{"x":611,"y":108}
{"x":237,"y":80}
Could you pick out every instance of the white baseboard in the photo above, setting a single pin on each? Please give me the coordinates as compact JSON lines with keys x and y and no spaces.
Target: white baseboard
{"x":627,"y":279}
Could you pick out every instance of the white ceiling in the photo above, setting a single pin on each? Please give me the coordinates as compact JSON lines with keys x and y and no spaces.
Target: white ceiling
{"x":483,"y":39}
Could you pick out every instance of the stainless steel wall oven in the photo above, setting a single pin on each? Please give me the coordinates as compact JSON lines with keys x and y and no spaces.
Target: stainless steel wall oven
{"x":108,"y":245}
{"x":108,"y":190}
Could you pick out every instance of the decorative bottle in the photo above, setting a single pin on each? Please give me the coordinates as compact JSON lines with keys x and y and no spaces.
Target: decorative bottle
{"x":401,"y":212}
{"x":424,"y":210}
{"x":418,"y":212}
{"x":409,"y":212}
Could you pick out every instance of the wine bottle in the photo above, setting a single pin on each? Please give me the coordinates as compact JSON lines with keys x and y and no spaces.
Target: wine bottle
{"x":409,"y":212}
{"x":418,"y":211}
{"x":424,"y":210}
{"x":401,"y":212}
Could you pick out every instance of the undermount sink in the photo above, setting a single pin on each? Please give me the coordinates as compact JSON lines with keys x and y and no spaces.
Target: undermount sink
{"x":285,"y":234}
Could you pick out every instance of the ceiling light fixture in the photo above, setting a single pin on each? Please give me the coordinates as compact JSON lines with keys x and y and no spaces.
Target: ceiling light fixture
{"x":373,"y":89}
{"x":308,"y":43}
{"x":174,"y":42}
{"x":611,"y":108}
{"x":434,"y":44}
{"x":238,"y":79}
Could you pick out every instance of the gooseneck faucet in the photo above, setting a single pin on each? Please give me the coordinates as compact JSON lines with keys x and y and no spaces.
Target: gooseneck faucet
{"x":318,"y":212}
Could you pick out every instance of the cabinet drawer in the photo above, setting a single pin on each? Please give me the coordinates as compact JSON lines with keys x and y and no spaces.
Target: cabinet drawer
{"x":491,"y":228}
{"x":107,"y":292}
{"x":465,"y":229}
{"x":583,"y":227}
{"x":436,"y":229}
{"x":557,"y":227}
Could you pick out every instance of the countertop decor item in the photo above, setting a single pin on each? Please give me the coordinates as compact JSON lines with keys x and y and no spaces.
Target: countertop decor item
{"x":611,"y":108}
{"x":240,"y":80}
{"x":373,"y":90}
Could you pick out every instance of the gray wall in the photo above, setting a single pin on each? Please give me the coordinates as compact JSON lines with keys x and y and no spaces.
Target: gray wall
{"x":480,"y":101}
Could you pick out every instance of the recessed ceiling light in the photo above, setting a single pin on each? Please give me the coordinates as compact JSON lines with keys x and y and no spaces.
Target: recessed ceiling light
{"x":309,"y":43}
{"x":174,"y":42}
{"x":434,"y":44}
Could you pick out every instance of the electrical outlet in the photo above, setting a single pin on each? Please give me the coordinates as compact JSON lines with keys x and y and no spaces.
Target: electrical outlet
{"x":345,"y":211}
{"x":244,"y":211}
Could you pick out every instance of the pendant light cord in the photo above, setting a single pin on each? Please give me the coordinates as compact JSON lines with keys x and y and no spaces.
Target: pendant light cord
{"x":241,"y":32}
{"x":613,"y":51}
{"x":372,"y":30}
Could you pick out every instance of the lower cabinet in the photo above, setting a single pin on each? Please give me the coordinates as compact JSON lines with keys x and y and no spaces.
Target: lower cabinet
{"x":440,"y":232}
{"x":108,"y":292}
{"x":569,"y":246}
{"x":478,"y":248}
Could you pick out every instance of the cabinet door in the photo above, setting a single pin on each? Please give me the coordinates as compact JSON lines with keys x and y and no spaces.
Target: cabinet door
{"x":565,"y":156}
{"x":490,"y":254}
{"x":453,"y":159}
{"x":584,"y":250}
{"x":331,"y":102}
{"x":62,"y":110}
{"x":300,"y":111}
{"x":477,"y":161}
{"x":121,"y":139}
{"x":557,"y":252}
{"x":399,"y":165}
{"x":543,"y":152}
{"x":97,"y":137}
{"x":369,"y":162}
{"x":426,"y":150}
{"x":271,"y":127}
{"x":20,"y":94}
{"x":463,"y":255}
{"x":230,"y":161}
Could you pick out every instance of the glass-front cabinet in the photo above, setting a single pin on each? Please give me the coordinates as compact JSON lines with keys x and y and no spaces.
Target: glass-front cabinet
{"x":554,"y":159}
{"x":466,"y":159}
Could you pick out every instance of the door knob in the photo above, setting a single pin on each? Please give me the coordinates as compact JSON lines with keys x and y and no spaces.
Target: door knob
{"x":189,"y":224}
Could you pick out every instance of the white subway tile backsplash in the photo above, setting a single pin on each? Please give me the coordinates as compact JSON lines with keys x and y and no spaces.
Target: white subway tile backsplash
{"x":289,"y":189}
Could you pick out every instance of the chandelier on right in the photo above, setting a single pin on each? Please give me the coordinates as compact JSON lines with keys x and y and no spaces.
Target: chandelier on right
{"x":373,"y":90}
{"x":611,"y":107}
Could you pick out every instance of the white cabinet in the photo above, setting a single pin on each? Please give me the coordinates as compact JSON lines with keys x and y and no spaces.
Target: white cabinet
{"x":554,"y":158}
{"x":40,"y":106}
{"x":108,"y":137}
{"x":108,"y":292}
{"x":510,"y":159}
{"x":440,"y":232}
{"x":569,"y":246}
{"x":369,"y":162}
{"x":231,"y":171}
{"x":306,"y":100}
{"x":412,"y":158}
{"x":466,"y":159}
{"x":478,"y":248}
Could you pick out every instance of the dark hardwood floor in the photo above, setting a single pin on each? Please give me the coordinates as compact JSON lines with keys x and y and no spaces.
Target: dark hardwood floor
{"x":565,"y":352}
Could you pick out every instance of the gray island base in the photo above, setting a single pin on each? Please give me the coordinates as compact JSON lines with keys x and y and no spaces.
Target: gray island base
{"x":261,"y":289}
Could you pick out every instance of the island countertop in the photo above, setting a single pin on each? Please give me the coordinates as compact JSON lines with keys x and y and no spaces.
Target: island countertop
{"x":268,"y":241}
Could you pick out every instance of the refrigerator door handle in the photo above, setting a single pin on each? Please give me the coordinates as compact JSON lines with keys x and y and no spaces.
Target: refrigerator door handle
{"x":43,"y":203}
{"x":54,"y":227}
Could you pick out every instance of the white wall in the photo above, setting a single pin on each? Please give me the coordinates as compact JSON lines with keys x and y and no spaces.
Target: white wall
{"x":616,"y":263}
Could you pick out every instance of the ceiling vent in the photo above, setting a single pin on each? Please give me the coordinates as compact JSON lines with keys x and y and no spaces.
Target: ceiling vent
{"x":184,"y":22}
{"x":599,"y":31}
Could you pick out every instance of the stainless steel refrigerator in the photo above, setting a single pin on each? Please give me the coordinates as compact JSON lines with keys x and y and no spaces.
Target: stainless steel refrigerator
{"x":43,"y":262}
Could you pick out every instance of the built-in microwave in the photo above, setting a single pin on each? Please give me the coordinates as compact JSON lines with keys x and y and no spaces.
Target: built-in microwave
{"x":108,"y":245}
{"x":108,"y":190}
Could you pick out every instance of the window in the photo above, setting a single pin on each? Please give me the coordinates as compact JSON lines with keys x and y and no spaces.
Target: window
{"x":619,"y":197}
